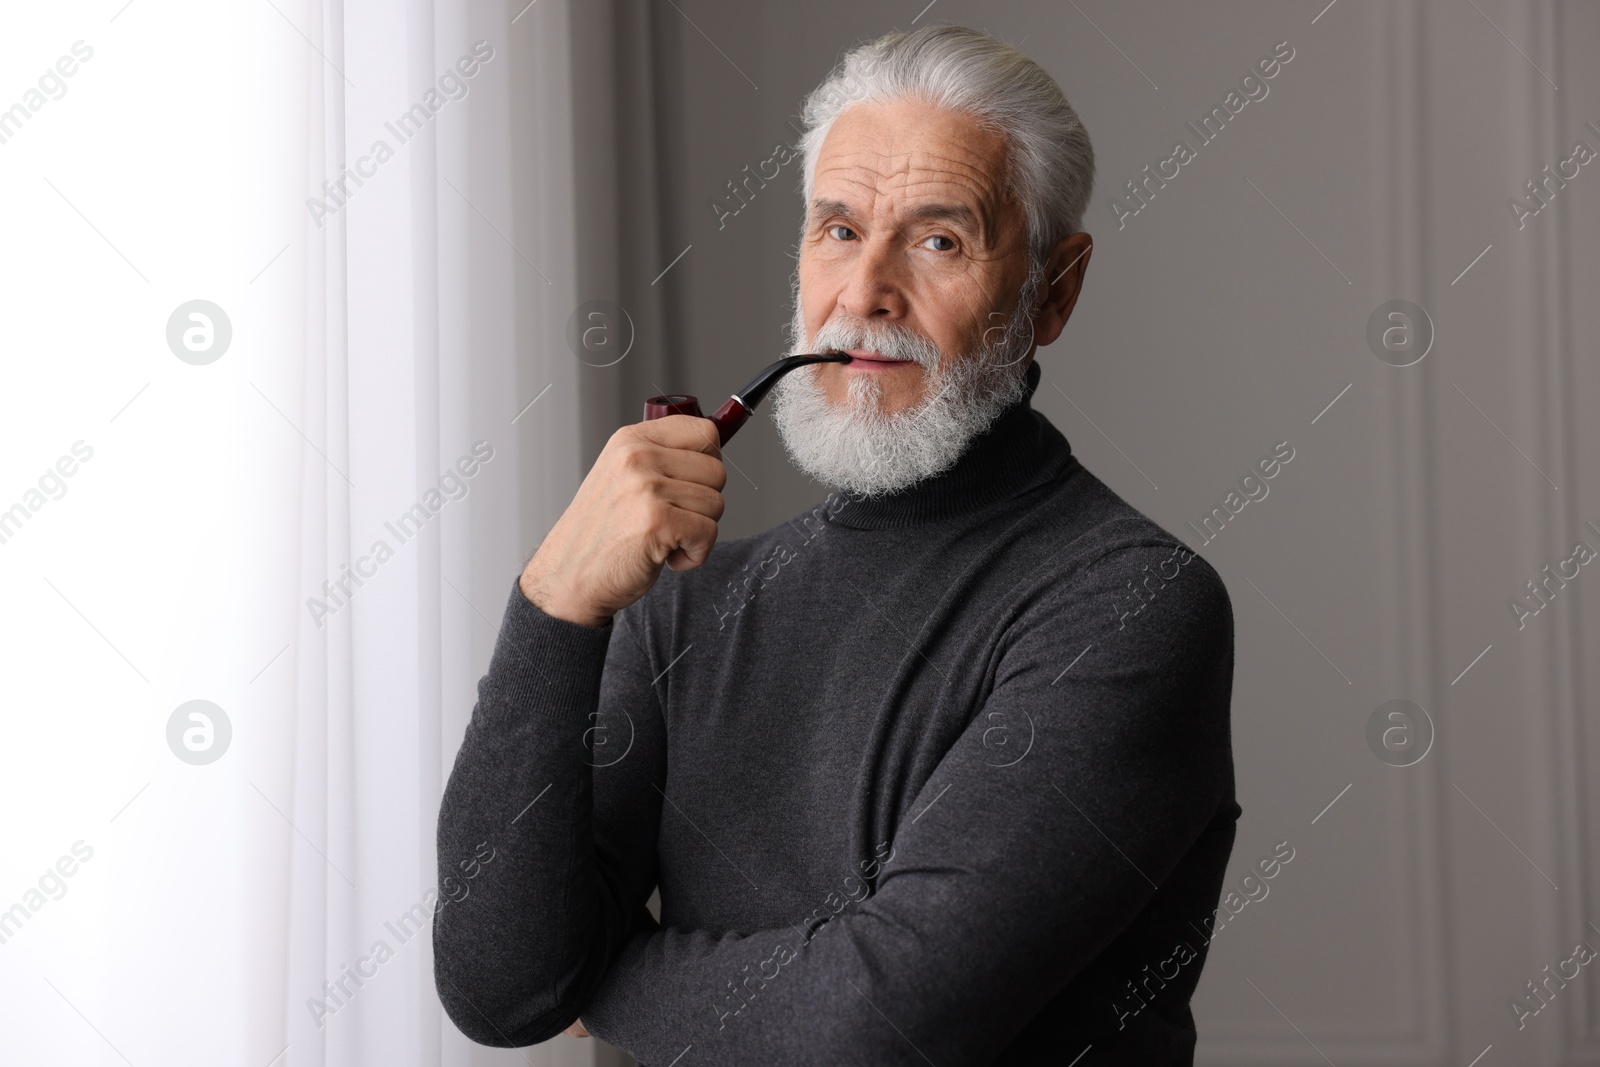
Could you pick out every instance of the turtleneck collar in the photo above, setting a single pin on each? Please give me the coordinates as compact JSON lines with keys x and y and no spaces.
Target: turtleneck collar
{"x":1019,"y":450}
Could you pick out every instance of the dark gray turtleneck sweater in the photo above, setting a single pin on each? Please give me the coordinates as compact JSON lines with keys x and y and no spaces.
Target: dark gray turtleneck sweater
{"x":943,"y":777}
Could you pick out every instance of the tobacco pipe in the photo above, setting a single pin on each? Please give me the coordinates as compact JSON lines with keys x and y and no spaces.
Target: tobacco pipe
{"x":741,"y":405}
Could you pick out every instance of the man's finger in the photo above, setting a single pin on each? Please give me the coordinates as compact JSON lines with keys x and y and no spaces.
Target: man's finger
{"x":682,"y":431}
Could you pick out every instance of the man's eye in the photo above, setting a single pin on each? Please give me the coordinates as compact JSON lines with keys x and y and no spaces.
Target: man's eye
{"x":940,"y":237}
{"x":839,"y":226}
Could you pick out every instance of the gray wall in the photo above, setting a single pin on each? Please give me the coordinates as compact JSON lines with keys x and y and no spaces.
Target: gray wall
{"x":1222,"y":319}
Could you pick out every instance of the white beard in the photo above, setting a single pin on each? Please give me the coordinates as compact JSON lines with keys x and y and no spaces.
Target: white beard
{"x":859,"y":449}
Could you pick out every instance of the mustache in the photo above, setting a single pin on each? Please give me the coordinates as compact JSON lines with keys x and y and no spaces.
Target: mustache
{"x":892,"y":340}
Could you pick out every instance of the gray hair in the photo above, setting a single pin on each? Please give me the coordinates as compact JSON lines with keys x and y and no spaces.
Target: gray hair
{"x":1050,"y":165}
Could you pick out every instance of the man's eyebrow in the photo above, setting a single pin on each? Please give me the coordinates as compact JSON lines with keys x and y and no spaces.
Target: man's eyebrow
{"x":956,"y":214}
{"x":823,"y":208}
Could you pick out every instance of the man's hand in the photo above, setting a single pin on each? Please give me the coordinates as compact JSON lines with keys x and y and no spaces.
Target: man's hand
{"x":576,"y":1029}
{"x":653,"y":496}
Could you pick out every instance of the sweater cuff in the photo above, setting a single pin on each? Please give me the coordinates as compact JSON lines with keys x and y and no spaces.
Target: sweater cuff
{"x":542,"y":662}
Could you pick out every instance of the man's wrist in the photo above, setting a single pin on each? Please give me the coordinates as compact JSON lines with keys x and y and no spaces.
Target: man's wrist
{"x":557,"y":608}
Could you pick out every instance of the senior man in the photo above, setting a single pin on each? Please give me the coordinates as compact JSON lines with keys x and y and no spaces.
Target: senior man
{"x":939,"y":772}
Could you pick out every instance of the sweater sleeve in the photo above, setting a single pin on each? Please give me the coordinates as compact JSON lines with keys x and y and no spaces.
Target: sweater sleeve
{"x":1024,"y":855}
{"x":547,"y":826}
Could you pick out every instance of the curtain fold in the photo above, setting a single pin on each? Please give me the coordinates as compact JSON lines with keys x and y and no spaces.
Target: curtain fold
{"x":293,"y":399}
{"x":445,"y":415}
{"x":617,"y":196}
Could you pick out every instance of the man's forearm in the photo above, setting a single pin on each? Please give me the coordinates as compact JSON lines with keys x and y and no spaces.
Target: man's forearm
{"x":526,"y":921}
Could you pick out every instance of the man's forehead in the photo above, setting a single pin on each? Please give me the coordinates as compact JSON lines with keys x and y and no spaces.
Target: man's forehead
{"x":905,"y":141}
{"x":937,"y":164}
{"x":914,"y":172}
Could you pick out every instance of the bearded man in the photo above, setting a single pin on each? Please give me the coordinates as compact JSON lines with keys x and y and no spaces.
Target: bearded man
{"x":950,"y":781}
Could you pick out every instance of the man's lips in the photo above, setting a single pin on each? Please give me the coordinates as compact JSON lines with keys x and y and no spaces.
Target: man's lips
{"x":868,"y":359}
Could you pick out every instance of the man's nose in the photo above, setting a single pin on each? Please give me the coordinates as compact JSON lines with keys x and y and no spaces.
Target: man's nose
{"x":875,"y":287}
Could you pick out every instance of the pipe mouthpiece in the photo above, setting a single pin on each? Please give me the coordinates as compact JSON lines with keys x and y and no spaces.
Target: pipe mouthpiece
{"x":761,"y":384}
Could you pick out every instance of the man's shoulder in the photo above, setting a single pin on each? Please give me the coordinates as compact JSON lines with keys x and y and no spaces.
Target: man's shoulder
{"x":1096,"y":521}
{"x":1112,"y":551}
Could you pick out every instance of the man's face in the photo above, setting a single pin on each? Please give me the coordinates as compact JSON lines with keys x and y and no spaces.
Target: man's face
{"x":910,"y":229}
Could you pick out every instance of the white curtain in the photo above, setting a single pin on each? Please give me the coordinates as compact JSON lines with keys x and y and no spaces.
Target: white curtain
{"x":314,"y":531}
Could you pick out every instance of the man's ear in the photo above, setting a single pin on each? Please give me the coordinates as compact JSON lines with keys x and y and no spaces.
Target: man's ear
{"x":1062,"y":282}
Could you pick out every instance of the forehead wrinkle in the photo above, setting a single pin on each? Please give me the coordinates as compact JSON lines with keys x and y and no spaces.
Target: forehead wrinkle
{"x":899,"y":160}
{"x":972,"y":173}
